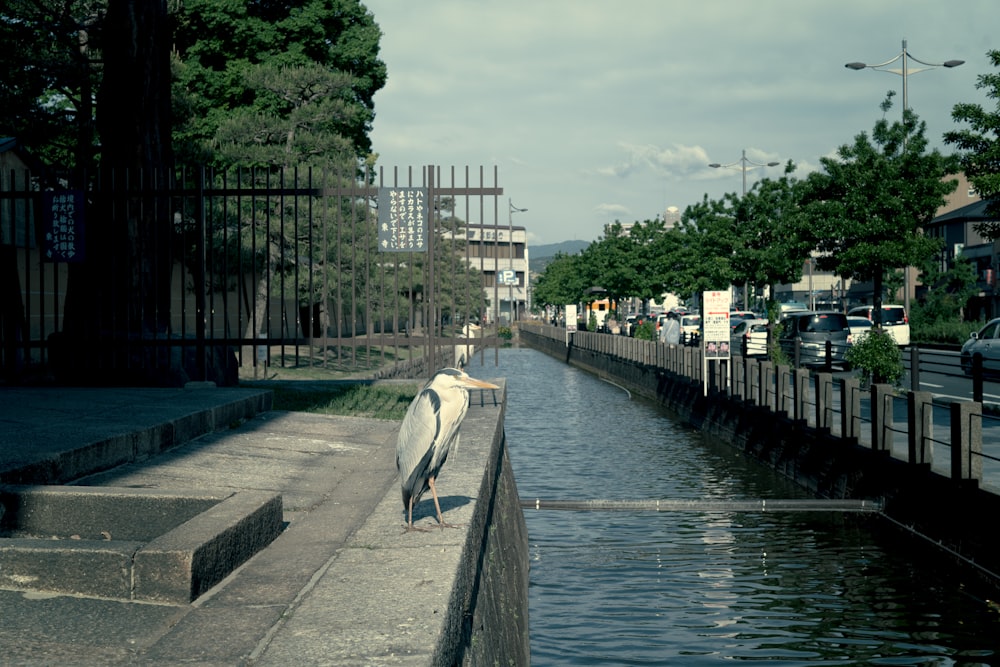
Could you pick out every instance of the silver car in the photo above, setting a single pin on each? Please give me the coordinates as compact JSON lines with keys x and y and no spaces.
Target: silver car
{"x":984,"y":344}
{"x":809,"y":332}
{"x":751,"y":333}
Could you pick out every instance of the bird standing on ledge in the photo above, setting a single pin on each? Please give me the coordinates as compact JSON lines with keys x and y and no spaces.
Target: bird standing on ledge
{"x":429,"y":431}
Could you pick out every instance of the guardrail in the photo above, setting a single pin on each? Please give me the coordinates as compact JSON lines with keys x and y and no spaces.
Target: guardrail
{"x":905,"y":424}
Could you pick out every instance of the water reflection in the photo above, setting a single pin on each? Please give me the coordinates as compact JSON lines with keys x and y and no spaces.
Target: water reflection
{"x":700,"y":588}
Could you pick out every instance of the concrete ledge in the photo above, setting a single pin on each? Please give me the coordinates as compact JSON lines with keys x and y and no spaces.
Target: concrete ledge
{"x":59,"y":435}
{"x":168,"y":546}
{"x":187,"y":561}
{"x":438,"y":597}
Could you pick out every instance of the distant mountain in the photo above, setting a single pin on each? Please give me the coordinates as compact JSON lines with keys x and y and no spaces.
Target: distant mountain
{"x":541,"y":255}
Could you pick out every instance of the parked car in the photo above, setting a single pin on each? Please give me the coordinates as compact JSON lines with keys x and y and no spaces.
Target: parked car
{"x":633,"y":322}
{"x":737,"y":316}
{"x":751,"y":333}
{"x":858,"y":326}
{"x":984,"y":344}
{"x":894,"y":321}
{"x":690,"y":329}
{"x":789,"y":307}
{"x":810,"y":331}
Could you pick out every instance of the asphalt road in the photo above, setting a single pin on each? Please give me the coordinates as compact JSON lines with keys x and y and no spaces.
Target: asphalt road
{"x":941,"y":374}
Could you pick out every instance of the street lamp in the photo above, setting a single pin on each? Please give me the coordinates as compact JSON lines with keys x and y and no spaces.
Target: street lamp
{"x":511,"y":210}
{"x":743,"y":162}
{"x":904,"y":71}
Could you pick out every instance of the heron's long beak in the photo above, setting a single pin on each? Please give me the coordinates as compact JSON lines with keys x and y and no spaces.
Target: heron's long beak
{"x":478,"y":384}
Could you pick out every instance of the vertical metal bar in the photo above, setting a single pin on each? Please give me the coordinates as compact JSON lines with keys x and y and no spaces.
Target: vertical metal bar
{"x":200,"y":286}
{"x":430,"y":292}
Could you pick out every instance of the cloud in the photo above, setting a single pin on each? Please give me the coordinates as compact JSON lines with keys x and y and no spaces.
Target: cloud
{"x":594,"y":111}
{"x":612,"y":210}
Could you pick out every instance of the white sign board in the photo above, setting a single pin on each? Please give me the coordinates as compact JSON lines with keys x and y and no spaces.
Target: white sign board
{"x":715,"y":324}
{"x":715,"y":328}
{"x":570,"y":318}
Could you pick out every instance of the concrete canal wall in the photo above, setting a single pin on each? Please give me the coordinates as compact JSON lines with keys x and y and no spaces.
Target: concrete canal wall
{"x":957,"y":516}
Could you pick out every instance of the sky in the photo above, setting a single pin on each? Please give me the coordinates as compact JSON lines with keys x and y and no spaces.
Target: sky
{"x":595,"y":111}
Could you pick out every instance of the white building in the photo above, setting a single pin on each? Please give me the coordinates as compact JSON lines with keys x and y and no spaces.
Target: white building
{"x":500,"y":253}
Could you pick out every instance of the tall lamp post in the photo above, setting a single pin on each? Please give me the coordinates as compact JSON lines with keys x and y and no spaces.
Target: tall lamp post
{"x":744,"y":163}
{"x":904,"y":70}
{"x":511,"y":210}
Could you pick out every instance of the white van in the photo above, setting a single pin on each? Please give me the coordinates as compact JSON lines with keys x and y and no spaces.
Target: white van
{"x":894,"y":321}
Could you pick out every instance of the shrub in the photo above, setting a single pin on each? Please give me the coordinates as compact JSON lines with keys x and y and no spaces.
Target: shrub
{"x":878,"y":358}
{"x":645,"y":331}
{"x":505,"y":332}
{"x":950,"y":332}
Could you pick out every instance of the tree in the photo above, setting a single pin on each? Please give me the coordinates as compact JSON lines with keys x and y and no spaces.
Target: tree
{"x":697,"y":255}
{"x":948,"y":290}
{"x":51,"y":62}
{"x":773,"y":244}
{"x":562,"y":282}
{"x":127,"y":240}
{"x":980,"y":145}
{"x":278,"y":87}
{"x":227,"y":51}
{"x":866,"y":209}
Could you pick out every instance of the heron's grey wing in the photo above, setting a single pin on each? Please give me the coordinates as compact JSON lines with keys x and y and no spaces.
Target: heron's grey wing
{"x":417,"y":438}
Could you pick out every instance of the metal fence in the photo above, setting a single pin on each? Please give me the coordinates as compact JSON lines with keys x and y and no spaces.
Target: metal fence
{"x":235,"y":272}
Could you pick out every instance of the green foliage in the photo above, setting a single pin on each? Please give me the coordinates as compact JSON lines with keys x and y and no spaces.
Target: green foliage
{"x":948,"y":291}
{"x":232,"y":57}
{"x":878,"y":358}
{"x":645,"y":331}
{"x":227,"y":60}
{"x":867,"y":207}
{"x":358,"y":400}
{"x":561,"y":283}
{"x":51,"y":65}
{"x":942,"y":332}
{"x":979,"y":143}
{"x":772,"y":245}
{"x":592,"y":322}
{"x":505,"y":332}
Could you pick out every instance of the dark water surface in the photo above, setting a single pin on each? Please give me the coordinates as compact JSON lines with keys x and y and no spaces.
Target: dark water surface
{"x":708,"y":587}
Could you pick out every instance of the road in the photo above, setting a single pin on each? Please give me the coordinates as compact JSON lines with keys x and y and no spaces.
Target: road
{"x":941,"y":374}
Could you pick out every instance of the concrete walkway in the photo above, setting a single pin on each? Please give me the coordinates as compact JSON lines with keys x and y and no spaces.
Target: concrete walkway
{"x":341,"y":585}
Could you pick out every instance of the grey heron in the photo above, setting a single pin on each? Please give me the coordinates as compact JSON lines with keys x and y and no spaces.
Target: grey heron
{"x":428,"y":433}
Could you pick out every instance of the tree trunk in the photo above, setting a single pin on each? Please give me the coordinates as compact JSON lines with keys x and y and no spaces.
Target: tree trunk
{"x":120,"y":295}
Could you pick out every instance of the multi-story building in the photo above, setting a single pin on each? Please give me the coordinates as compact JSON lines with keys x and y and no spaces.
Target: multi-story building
{"x":500,"y":253}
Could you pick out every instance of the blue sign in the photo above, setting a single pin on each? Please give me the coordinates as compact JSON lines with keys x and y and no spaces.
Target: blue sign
{"x":62,"y":220}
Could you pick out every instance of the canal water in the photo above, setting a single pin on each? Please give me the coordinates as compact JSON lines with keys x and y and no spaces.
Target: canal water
{"x":708,"y":587}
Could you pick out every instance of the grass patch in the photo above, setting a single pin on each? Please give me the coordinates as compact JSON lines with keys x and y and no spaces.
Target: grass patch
{"x":374,"y":401}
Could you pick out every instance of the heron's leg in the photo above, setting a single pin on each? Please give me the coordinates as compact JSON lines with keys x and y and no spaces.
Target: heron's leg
{"x":409,"y":523}
{"x":437,"y":505}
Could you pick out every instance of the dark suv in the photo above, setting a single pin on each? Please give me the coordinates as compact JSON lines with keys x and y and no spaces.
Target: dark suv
{"x":810,"y":331}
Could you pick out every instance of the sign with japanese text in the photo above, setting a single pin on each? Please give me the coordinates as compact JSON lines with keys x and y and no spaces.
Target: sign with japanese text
{"x":715,"y":324}
{"x":62,"y":220}
{"x":402,"y":219}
